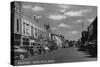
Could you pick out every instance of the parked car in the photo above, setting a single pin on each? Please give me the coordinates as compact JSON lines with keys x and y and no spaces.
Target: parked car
{"x":40,"y":49}
{"x":33,"y":50}
{"x":20,"y":53}
{"x":92,"y":48}
{"x":43,"y":49}
{"x":46,"y":49}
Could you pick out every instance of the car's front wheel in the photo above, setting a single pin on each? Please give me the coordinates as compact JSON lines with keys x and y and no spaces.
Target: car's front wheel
{"x":21,"y":56}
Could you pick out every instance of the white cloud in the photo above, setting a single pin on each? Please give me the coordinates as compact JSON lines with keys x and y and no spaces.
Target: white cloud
{"x":39,"y":17}
{"x":26,"y":6}
{"x":90,"y":20}
{"x":77,"y":13}
{"x":53,"y":28}
{"x":57,"y":17}
{"x":64,"y":25}
{"x":74,"y":13}
{"x":63,"y":10}
{"x":64,"y":6}
{"x":37,"y":8}
{"x":78,"y":21}
{"x":74,"y":32}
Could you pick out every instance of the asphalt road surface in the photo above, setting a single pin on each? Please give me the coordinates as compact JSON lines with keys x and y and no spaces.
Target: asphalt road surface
{"x":58,"y":56}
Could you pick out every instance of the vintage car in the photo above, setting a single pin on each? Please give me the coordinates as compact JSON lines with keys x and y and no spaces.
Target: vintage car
{"x":42,"y":49}
{"x":20,"y":53}
{"x":32,"y":50}
{"x":46,"y":49}
{"x":92,"y":47}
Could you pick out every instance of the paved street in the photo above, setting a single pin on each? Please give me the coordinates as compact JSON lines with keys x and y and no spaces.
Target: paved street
{"x":61,"y":55}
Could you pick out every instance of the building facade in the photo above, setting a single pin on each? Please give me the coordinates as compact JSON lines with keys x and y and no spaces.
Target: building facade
{"x":57,"y":39}
{"x":91,"y":33}
{"x":25,"y":31}
{"x":16,"y":23}
{"x":31,"y":32}
{"x":92,"y":30}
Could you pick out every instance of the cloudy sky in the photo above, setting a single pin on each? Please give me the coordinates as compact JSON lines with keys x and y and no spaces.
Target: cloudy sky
{"x":68,"y":20}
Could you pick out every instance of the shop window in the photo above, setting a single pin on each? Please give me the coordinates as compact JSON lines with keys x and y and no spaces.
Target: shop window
{"x":25,"y":42}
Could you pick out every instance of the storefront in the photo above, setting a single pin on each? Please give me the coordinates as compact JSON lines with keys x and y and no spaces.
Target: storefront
{"x":25,"y":41}
{"x":17,"y":39}
{"x":32,"y":41}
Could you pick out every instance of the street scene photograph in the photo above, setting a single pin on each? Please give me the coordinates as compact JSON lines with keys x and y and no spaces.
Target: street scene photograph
{"x":45,"y":33}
